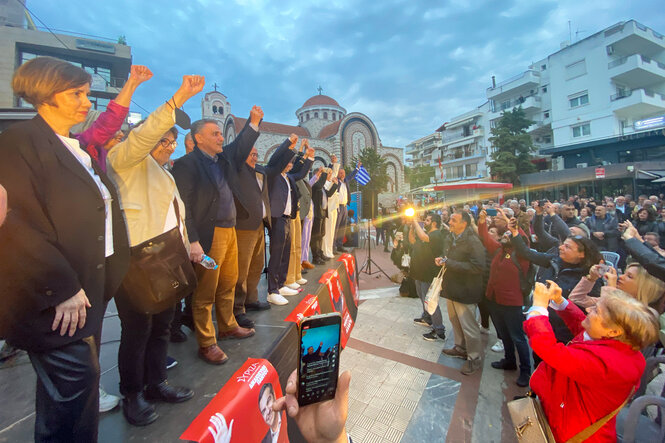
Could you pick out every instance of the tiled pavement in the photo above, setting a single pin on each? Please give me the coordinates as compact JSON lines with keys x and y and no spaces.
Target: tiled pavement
{"x":404,"y":389}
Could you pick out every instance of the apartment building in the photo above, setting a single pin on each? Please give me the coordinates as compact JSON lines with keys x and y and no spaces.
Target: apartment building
{"x":106,"y":61}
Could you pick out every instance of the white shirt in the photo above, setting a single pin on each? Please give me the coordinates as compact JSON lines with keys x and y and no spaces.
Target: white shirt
{"x":84,"y":159}
{"x":259,"y":179}
{"x":287,"y":208}
{"x":343,"y":194}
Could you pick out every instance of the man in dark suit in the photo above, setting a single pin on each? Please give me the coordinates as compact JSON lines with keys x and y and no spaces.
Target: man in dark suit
{"x":252,"y":194}
{"x":342,"y":213}
{"x":306,"y":215}
{"x":283,"y":208}
{"x":207,"y":181}
{"x":323,"y":188}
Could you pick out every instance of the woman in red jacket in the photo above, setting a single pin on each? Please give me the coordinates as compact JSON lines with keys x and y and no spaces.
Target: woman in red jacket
{"x":594,"y":374}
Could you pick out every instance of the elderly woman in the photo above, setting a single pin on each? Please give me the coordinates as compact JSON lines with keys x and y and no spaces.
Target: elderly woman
{"x":64,"y":248}
{"x":580,"y":383}
{"x":148,"y":195}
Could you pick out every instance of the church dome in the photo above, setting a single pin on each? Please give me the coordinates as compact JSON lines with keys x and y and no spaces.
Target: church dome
{"x":320,"y":100}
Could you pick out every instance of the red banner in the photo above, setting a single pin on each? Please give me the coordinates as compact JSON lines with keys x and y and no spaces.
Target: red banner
{"x":331,"y":280}
{"x":307,"y":307}
{"x":242,"y":410}
{"x":350,"y":265}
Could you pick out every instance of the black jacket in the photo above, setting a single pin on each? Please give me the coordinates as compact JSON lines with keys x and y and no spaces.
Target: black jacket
{"x":463,"y":280}
{"x":652,"y":261}
{"x":198,"y":188}
{"x":609,"y":227}
{"x":317,"y":196}
{"x":277,"y":187}
{"x":52,"y":243}
{"x":250,"y":198}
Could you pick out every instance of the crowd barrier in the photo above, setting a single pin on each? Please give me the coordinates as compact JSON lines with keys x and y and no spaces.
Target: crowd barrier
{"x":234,"y":415}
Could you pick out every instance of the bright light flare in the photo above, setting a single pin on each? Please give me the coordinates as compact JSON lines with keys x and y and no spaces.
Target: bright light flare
{"x":410,"y":212}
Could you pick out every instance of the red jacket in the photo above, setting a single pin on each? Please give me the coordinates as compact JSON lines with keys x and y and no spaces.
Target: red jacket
{"x":503,"y":286}
{"x":581,"y":383}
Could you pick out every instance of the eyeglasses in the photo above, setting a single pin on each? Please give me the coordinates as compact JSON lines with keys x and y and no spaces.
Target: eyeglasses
{"x":254,"y":154}
{"x":165,"y":142}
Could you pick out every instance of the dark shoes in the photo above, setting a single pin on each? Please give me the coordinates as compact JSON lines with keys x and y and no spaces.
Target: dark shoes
{"x":319,"y":261}
{"x":178,"y":336}
{"x":213,"y":355}
{"x":238,"y":332}
{"x":505,"y":365}
{"x":258,"y":306}
{"x":433,"y":335}
{"x":167,"y":393}
{"x":244,"y":321}
{"x":137,"y":410}
{"x":422,"y":321}
{"x":306,"y":265}
{"x":455,"y":352}
{"x":523,"y":379}
{"x":171,"y":362}
{"x":188,"y":321}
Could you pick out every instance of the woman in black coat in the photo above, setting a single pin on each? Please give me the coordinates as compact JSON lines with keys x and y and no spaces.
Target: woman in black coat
{"x":64,"y":249}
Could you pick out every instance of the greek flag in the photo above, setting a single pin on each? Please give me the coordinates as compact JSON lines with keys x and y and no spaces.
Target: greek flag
{"x":362,"y":176}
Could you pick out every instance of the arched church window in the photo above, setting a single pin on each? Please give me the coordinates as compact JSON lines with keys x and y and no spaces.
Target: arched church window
{"x":334,"y":117}
{"x":308,"y":116}
{"x":316,"y":115}
{"x":214,"y":109}
{"x":325,"y":115}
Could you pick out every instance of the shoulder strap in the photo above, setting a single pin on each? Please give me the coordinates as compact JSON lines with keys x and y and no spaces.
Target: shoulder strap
{"x":590,"y":430}
{"x":513,"y":258}
{"x":177,"y":211}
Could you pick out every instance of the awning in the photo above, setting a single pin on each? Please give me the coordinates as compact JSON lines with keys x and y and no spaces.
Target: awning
{"x":472,"y":185}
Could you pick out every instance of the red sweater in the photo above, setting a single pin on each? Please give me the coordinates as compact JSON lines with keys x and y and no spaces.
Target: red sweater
{"x":581,"y":383}
{"x":503,"y":286}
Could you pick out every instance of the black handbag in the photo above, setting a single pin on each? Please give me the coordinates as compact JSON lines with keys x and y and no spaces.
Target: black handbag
{"x":160,"y":272}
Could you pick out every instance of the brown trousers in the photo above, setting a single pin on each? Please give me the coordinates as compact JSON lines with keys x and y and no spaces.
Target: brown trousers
{"x":251,"y":247}
{"x":295,"y":263}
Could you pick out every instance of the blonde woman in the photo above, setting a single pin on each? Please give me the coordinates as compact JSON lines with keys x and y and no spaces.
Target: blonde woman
{"x":580,"y":383}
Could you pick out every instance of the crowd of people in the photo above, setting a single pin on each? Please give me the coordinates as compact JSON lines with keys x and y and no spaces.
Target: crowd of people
{"x":80,"y":200}
{"x":547,"y":277}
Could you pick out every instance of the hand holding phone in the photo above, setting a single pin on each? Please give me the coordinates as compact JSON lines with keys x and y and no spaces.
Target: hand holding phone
{"x":318,"y":361}
{"x":491,"y":212}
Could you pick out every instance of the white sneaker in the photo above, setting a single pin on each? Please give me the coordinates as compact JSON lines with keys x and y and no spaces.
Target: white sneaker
{"x":498,"y":346}
{"x":285,"y":290}
{"x":107,"y":401}
{"x":485,"y":331}
{"x":301,"y":282}
{"x":293,"y":286}
{"x":277,"y":299}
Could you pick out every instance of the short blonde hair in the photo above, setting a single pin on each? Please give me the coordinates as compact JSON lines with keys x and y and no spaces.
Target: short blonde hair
{"x":39,"y":79}
{"x":650,"y":290}
{"x":638,"y":321}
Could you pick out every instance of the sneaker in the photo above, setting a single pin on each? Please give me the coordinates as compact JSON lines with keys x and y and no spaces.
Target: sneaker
{"x":277,"y":299}
{"x":294,"y":286}
{"x":523,"y":379}
{"x":301,"y":282}
{"x":498,"y":346}
{"x":433,"y":335}
{"x":422,"y":321}
{"x":471,"y":366}
{"x":484,"y":330}
{"x":455,"y":352}
{"x":107,"y":401}
{"x":171,"y":362}
{"x":285,"y":290}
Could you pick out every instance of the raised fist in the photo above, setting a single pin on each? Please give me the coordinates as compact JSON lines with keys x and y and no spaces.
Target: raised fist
{"x":191,"y":85}
{"x":139,"y":74}
{"x":255,"y":115}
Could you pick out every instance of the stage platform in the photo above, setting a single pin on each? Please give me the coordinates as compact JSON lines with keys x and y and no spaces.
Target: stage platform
{"x":272,"y":339}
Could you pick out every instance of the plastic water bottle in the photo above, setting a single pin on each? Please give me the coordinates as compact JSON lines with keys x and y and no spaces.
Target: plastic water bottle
{"x":208,"y":262}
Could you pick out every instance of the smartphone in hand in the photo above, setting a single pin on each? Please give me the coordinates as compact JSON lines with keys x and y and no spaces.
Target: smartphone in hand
{"x":491,"y":212}
{"x":318,"y":358}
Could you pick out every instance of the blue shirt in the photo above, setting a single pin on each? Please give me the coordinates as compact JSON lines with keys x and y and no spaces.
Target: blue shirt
{"x":226,"y":209}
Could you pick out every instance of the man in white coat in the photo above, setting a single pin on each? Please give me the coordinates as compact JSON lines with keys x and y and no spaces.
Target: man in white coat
{"x":331,"y":221}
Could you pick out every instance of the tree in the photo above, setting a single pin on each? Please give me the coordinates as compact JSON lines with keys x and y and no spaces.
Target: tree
{"x":419,"y":175}
{"x":122,"y":40}
{"x":512,"y":147}
{"x":376,"y":167}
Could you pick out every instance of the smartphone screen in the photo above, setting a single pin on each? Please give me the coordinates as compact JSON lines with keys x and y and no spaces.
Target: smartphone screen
{"x":318,"y":362}
{"x":491,"y":212}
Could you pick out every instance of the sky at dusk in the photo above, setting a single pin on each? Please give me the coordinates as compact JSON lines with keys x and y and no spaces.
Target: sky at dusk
{"x":408,"y":65}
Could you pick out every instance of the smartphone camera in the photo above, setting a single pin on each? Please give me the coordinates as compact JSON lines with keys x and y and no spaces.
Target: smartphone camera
{"x":318,"y":361}
{"x":492,"y":212}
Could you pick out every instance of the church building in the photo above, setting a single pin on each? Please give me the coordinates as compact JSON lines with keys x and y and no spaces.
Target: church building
{"x":329,"y":128}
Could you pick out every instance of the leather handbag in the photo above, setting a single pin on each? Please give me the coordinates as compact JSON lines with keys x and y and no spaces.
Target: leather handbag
{"x":160,"y":272}
{"x":531,"y":425}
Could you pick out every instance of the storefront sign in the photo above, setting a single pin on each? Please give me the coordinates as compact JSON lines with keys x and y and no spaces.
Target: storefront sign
{"x":600,"y":172}
{"x":655,"y":122}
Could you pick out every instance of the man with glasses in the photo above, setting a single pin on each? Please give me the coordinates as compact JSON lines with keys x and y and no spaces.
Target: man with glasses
{"x":207,"y":182}
{"x":253,"y":216}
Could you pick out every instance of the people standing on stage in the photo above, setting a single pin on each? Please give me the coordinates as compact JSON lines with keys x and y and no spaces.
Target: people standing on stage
{"x":342,"y":214}
{"x":206,"y":181}
{"x":306,"y":216}
{"x":322,"y":189}
{"x":331,"y":221}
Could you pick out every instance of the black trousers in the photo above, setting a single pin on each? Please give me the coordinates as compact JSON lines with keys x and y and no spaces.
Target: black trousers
{"x":280,"y":253}
{"x":508,"y":323}
{"x":318,"y":227}
{"x":67,"y":401}
{"x":144,"y":342}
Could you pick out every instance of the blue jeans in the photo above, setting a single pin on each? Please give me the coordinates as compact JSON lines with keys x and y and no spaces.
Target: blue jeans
{"x":437,"y":321}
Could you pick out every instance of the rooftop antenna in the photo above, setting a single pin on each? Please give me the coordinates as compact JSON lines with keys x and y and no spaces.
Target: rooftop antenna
{"x":578,"y":32}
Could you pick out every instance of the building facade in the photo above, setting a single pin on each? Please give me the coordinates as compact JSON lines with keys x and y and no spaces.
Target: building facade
{"x":107,"y":62}
{"x":330,"y":129}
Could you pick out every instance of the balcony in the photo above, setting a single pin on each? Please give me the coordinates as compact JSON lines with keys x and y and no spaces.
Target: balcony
{"x":636,"y":71}
{"x":633,"y":38}
{"x":530,"y":103}
{"x":451,"y":158}
{"x":458,"y":136}
{"x":524,"y":80}
{"x":637,"y":103}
